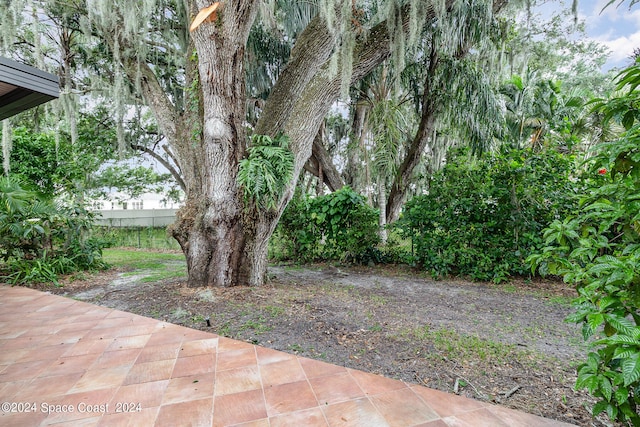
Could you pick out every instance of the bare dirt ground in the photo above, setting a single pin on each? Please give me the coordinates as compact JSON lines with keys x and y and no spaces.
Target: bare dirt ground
{"x":506,"y":344}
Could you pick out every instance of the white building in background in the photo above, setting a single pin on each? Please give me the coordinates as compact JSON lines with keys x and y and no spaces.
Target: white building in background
{"x":146,"y":201}
{"x":147,"y":210}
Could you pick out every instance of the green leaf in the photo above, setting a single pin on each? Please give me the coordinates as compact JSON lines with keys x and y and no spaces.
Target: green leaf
{"x":631,"y":370}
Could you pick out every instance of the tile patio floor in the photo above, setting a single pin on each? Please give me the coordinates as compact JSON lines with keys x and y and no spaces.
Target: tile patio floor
{"x":58,"y":355}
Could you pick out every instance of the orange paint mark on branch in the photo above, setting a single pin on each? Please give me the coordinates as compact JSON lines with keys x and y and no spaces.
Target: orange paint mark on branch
{"x":206,"y":14}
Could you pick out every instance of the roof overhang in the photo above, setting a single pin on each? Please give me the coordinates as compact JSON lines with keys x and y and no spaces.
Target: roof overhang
{"x":23,"y":87}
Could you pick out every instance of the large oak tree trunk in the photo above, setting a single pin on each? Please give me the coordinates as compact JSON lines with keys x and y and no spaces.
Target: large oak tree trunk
{"x":210,"y":227}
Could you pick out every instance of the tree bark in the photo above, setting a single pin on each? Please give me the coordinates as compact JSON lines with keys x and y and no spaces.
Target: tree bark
{"x":418,"y":144}
{"x":210,"y":227}
{"x":320,"y":164}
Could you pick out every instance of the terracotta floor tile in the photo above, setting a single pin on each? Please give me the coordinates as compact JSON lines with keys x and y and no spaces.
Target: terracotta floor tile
{"x":22,"y":419}
{"x":315,"y":368}
{"x":11,"y":356}
{"x":195,"y":334}
{"x":147,"y":395}
{"x":236,"y":359}
{"x":289,"y":398}
{"x":123,"y":343}
{"x":267,"y":356}
{"x":114,"y":322}
{"x":52,"y":353}
{"x":238,"y":408}
{"x":8,"y":331}
{"x":43,"y":387}
{"x":138,"y":328}
{"x":478,"y":418}
{"x":65,"y":337}
{"x":354,"y":413}
{"x":446,"y":404}
{"x":146,"y":417}
{"x":69,"y":365}
{"x":10,"y":389}
{"x":149,"y":371}
{"x":193,"y":365}
{"x":198,"y":347}
{"x":257,"y":423}
{"x":26,"y":331}
{"x":101,"y":378}
{"x":308,"y":418}
{"x":189,"y":388}
{"x":436,"y":423}
{"x":335,"y":388}
{"x":192,"y":413}
{"x":237,"y":380}
{"x":88,"y":346}
{"x":22,"y":342}
{"x":159,"y":352}
{"x":112,"y":359}
{"x":374,"y":384}
{"x":83,"y":404}
{"x":85,"y":422}
{"x":165,"y":334}
{"x":24,"y":371}
{"x":227,"y":344}
{"x":282,"y":372}
{"x":517,"y":418}
{"x":403,"y":408}
{"x":78,"y":325}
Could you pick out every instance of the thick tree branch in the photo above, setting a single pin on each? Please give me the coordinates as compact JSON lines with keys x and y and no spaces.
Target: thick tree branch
{"x":155,"y":96}
{"x":418,"y":144}
{"x":330,"y":174}
{"x":312,"y":49}
{"x":174,"y":172}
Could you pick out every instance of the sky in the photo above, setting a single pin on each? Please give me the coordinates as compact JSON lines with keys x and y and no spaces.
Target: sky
{"x":617,"y":27}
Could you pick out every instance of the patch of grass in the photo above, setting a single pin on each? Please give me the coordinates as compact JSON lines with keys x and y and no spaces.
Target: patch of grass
{"x":165,"y":274}
{"x":274,"y":311}
{"x":560,"y":300}
{"x":138,"y":259}
{"x":456,"y":346}
{"x":378,"y":300}
{"x":258,"y":326}
{"x":376,"y":328}
{"x":156,"y":266}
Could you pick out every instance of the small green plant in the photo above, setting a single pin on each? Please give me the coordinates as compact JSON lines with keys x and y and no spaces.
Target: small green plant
{"x":266,"y":171}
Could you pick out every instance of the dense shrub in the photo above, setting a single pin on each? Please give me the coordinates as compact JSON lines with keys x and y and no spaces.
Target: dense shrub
{"x":483,"y":218}
{"x":338,"y":226}
{"x":39,"y":239}
{"x":598,"y":250}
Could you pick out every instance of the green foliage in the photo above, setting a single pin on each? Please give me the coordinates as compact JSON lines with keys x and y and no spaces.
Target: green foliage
{"x":36,"y":159}
{"x":39,"y":239}
{"x":338,"y":226}
{"x":482,"y":219}
{"x":598,"y":250}
{"x":265,"y":173}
